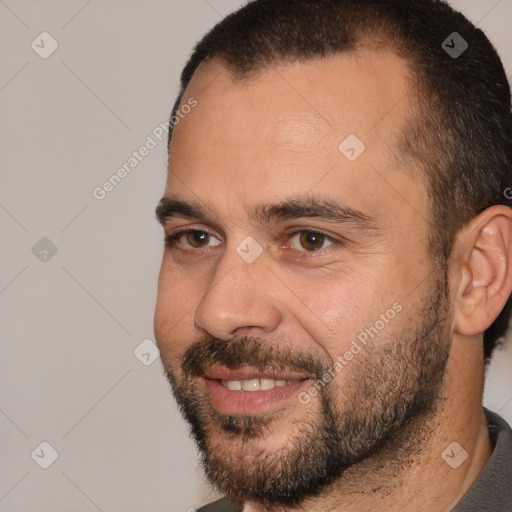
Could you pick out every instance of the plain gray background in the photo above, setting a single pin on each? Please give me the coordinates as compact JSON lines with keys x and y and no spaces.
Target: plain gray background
{"x":72,"y":320}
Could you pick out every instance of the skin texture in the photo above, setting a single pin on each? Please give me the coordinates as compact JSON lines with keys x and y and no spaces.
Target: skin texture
{"x":275,"y":138}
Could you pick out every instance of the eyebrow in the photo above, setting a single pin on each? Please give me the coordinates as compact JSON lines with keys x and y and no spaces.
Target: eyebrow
{"x":294,"y":208}
{"x":307,"y":207}
{"x":169,"y":207}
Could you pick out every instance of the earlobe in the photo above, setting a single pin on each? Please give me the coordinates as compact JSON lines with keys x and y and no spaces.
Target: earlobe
{"x":485,"y":271}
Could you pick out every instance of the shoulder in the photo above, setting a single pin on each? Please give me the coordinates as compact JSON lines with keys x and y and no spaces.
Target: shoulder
{"x":222,"y":505}
{"x":493,"y":488}
{"x":499,"y":429}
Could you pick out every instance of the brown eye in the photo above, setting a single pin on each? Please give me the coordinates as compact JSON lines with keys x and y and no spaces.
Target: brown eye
{"x":310,"y":241}
{"x":196,"y":239}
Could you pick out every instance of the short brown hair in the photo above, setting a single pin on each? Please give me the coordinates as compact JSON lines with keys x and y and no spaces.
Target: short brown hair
{"x":461,"y":134}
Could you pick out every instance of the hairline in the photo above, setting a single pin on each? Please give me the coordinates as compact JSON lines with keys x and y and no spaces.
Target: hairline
{"x":418,"y":104}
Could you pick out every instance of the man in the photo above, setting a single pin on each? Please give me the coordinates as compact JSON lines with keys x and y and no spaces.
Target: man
{"x":338,"y":259}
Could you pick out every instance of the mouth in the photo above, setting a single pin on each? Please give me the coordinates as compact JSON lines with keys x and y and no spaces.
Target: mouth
{"x":252,"y":385}
{"x":248,"y":391}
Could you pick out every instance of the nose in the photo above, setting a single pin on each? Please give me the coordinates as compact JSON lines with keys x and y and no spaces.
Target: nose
{"x":239,"y":300}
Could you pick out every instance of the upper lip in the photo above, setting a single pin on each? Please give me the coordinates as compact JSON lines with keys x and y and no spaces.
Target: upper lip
{"x":247,"y":373}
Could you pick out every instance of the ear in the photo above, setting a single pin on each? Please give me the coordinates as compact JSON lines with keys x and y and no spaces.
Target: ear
{"x":483,"y":270}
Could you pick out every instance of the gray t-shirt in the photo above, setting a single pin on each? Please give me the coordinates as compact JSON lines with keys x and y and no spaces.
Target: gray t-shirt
{"x":491,"y":492}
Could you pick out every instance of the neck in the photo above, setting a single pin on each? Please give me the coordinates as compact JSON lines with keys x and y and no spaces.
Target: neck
{"x":410,"y":473}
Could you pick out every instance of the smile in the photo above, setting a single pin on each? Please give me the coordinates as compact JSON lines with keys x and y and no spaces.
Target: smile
{"x":248,"y":390}
{"x":255,"y":384}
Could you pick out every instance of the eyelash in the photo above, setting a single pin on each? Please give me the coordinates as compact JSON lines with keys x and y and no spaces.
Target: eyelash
{"x":172,"y":241}
{"x":304,"y":253}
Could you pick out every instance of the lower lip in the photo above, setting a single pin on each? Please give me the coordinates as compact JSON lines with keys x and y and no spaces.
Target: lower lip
{"x":227,"y":401}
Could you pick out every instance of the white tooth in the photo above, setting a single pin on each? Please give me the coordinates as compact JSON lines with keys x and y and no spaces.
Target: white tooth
{"x":267,"y":384}
{"x":251,"y":385}
{"x":280,"y":383}
{"x":234,"y":385}
{"x":290,"y":382}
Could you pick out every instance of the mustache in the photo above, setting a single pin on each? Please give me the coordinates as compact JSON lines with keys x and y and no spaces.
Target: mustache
{"x":265,"y":356}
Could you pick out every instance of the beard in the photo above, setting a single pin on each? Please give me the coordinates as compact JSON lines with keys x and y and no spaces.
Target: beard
{"x":390,"y":385}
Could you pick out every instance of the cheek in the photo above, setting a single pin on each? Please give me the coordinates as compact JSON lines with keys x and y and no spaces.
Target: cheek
{"x":174,"y":311}
{"x":336,"y":310}
{"x":330,"y":310}
{"x":340,"y":309}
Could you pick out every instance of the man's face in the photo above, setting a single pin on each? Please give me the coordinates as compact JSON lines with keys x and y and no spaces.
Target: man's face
{"x":298,"y":312}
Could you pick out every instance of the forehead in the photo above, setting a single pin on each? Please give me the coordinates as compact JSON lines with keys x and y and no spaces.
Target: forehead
{"x":324,"y":126}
